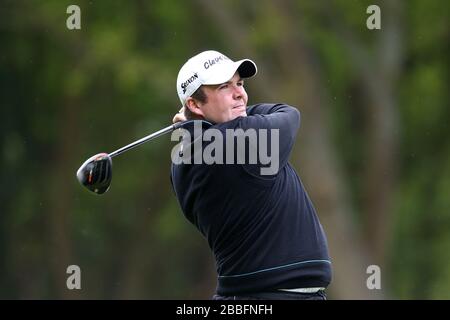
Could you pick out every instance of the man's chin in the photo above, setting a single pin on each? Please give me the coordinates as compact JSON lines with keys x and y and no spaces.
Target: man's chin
{"x":241,"y":112}
{"x":235,"y":115}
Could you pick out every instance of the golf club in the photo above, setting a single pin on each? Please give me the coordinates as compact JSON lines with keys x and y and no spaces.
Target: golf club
{"x":96,"y":172}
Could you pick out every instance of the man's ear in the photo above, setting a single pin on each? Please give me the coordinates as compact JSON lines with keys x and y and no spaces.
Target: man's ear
{"x":194,"y":107}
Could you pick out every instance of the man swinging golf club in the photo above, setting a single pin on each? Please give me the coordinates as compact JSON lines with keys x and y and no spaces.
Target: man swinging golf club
{"x":262,"y":228}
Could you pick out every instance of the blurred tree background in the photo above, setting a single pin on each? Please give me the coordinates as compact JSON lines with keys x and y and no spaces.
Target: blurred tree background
{"x":373,"y":149}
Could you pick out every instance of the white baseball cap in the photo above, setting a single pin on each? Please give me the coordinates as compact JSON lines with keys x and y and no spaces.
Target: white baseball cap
{"x":210,"y":68}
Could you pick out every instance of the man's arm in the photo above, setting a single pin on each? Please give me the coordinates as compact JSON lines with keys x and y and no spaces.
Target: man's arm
{"x":281,"y":117}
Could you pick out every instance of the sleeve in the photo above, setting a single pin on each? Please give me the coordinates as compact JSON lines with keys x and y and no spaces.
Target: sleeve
{"x":281,"y":123}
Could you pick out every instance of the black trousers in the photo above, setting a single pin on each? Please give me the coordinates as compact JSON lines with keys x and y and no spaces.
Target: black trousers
{"x":275,"y":295}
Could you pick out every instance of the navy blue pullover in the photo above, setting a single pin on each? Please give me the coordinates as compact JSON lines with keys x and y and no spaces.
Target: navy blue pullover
{"x":262,"y":229}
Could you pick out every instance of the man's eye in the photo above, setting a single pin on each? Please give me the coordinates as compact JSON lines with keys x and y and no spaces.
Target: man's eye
{"x":240,"y":83}
{"x":223,"y":86}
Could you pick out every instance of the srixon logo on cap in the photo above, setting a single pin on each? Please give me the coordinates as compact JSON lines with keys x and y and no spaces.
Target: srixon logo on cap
{"x":211,"y":62}
{"x":186,"y":83}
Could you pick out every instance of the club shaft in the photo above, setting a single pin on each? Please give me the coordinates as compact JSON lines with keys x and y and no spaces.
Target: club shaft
{"x":149,"y":137}
{"x":143,"y":140}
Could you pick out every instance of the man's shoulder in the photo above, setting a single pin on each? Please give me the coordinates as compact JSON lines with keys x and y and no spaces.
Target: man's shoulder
{"x":257,"y":108}
{"x":252,"y":108}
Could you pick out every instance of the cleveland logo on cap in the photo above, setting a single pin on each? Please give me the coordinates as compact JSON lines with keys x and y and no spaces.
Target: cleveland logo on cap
{"x":211,"y":62}
{"x":186,"y":83}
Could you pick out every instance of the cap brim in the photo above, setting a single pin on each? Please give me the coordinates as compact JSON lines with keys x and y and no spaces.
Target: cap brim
{"x":246,"y":69}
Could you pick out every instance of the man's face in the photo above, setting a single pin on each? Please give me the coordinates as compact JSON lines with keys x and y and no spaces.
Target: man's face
{"x":224,"y":102}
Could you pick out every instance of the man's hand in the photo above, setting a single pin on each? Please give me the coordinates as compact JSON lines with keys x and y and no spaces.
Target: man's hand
{"x":179,"y":116}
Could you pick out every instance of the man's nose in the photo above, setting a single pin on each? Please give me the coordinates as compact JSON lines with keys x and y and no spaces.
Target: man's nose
{"x":238,"y":92}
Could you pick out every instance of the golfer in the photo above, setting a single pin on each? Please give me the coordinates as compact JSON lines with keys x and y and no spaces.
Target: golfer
{"x":261,"y":226}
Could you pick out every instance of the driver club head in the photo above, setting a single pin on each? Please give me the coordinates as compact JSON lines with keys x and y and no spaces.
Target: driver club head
{"x":96,"y":173}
